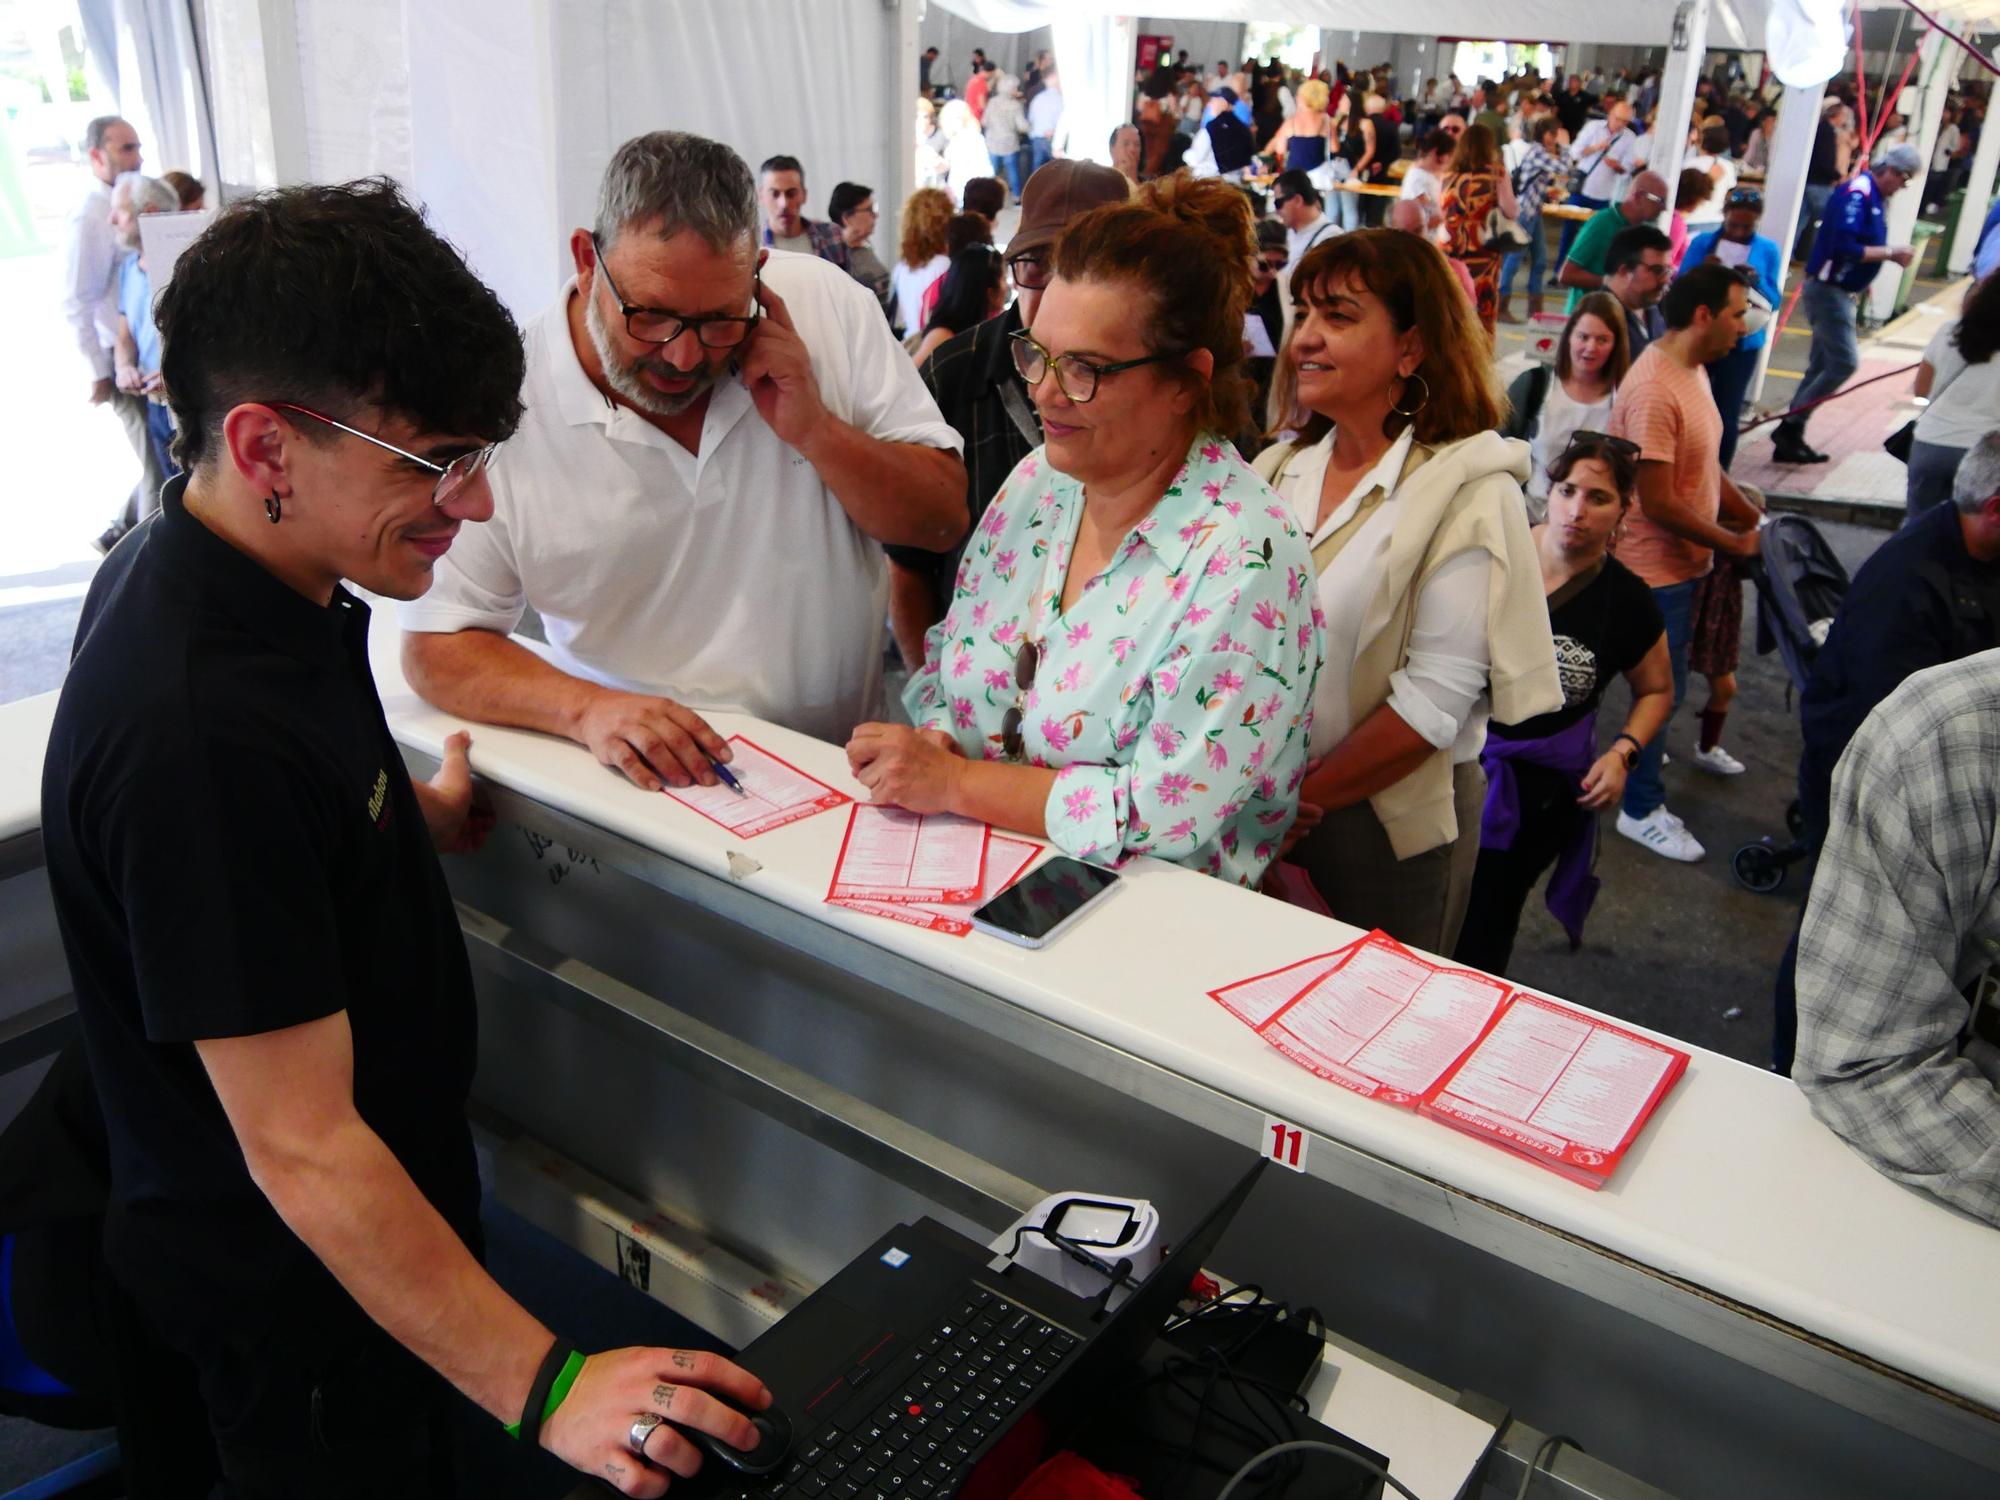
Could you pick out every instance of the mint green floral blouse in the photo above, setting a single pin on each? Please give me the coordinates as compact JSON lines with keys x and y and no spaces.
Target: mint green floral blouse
{"x":1174,"y":696}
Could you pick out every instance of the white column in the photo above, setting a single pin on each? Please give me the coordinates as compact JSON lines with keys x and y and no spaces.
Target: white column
{"x":1785,"y":185}
{"x":1677,"y":84}
{"x":902,"y":106}
{"x":1095,"y":55}
{"x":1922,"y":103}
{"x":1978,"y":193}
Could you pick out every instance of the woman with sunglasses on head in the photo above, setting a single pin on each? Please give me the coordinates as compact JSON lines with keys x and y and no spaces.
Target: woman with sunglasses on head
{"x":1127,"y":667}
{"x":1426,"y":576}
{"x":1546,"y":780}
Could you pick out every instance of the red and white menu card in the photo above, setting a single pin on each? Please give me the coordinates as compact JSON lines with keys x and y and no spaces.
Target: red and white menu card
{"x":896,"y":856}
{"x":1007,"y":860}
{"x":1562,"y":1088}
{"x":1373,"y":1017}
{"x":776,"y":792}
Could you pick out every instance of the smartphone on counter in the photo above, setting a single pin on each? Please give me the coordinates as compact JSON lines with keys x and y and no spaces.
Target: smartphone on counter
{"x":1035,"y":909}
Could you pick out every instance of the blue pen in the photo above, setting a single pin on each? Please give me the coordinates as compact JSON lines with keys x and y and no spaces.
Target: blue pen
{"x":727,"y":780}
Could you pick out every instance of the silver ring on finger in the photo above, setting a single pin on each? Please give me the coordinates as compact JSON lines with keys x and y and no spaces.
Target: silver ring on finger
{"x":641,"y":1430}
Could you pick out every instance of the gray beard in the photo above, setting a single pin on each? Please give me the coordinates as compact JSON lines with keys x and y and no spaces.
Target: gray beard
{"x":625,"y":380}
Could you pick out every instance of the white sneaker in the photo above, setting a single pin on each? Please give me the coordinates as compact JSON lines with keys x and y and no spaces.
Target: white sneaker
{"x":1663,"y":833}
{"x":1718,"y":762}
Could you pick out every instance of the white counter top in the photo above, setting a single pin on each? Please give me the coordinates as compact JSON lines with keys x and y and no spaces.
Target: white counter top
{"x":1733,"y":1187}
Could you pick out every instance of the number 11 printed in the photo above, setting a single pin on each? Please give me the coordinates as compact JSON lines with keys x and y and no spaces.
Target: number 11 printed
{"x":1284,"y":1143}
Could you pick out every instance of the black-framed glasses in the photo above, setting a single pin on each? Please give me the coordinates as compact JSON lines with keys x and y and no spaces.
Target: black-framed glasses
{"x":1026,"y":660}
{"x":1615,"y":444}
{"x":452,"y":478}
{"x":1076,"y":377}
{"x":655,"y":325}
{"x":1031,"y":270}
{"x":1280,"y":200}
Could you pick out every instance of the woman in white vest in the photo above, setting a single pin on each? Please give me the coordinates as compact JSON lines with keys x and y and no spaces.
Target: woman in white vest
{"x":1426,"y":574}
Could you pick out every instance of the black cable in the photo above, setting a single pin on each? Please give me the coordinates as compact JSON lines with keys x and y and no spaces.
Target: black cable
{"x":1302,"y":1445}
{"x":1545,"y":1453}
{"x":1074,"y":1251}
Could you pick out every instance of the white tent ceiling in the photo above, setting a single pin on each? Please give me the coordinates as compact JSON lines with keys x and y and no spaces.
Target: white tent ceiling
{"x":1731,"y":23}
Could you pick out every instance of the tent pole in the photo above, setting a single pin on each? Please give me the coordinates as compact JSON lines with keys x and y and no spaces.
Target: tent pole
{"x":1978,"y":193}
{"x":1934,"y":80}
{"x":1785,"y":186}
{"x":1677,"y":85}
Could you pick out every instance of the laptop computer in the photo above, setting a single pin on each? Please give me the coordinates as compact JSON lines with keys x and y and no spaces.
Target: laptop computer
{"x":920,"y":1373}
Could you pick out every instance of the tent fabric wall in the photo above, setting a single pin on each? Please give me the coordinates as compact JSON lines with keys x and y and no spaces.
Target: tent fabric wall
{"x":145,"y":52}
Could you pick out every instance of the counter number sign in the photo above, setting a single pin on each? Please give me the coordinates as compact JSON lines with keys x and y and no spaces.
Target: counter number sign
{"x":1284,"y":1143}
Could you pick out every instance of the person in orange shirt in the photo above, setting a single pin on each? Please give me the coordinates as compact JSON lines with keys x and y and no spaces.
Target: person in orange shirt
{"x":1688,"y":507}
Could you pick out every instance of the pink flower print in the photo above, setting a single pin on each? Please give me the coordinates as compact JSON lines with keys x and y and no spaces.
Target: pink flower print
{"x":1005,"y":563}
{"x":961,"y":664}
{"x":958,"y":584}
{"x":1173,"y":788}
{"x":994,"y":521}
{"x":1121,"y":647}
{"x":1228,"y":841}
{"x":1276,"y":512}
{"x":961,"y":712}
{"x":1218,"y":756}
{"x":1256,"y":761}
{"x":1218,"y":564}
{"x":1071,"y":679}
{"x":997,"y":677}
{"x":1081,"y":804}
{"x":1054,"y":732}
{"x":1268,"y":615}
{"x":1306,"y":636}
{"x":1167,"y":739}
{"x":1273,"y":705}
{"x":1198,"y":614}
{"x":1007,"y":632}
{"x":979,"y":613}
{"x":1211,"y":453}
{"x":1267,"y":786}
{"x":1292,"y":781}
{"x":1078,"y":634}
{"x":1295,"y":582}
{"x":1182,"y":832}
{"x":1223,"y":642}
{"x":1227,"y":811}
{"x":1133,"y":590}
{"x":1212,"y":489}
{"x":1189,"y":532}
{"x":1319,"y":617}
{"x":1234,"y":507}
{"x":1030,"y":468}
{"x":1177,"y":588}
{"x":1168,"y":681}
{"x":1263,"y":853}
{"x":1226,"y":681}
{"x":1123,"y":739}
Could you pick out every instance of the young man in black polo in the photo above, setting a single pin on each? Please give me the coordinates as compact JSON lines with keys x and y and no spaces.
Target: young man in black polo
{"x":273,"y":989}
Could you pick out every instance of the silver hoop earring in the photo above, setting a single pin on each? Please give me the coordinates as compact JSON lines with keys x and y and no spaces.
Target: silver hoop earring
{"x":1426,"y":401}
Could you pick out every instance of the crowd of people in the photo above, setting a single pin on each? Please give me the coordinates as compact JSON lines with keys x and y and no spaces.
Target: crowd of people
{"x":1201,"y":522}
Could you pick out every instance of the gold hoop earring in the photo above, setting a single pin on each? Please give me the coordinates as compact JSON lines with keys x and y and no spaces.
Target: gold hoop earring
{"x":1420,"y":405}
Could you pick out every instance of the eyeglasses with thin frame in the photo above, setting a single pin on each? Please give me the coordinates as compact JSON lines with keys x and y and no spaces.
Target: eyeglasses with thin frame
{"x":655,"y":325}
{"x":452,"y":478}
{"x":1076,"y":377}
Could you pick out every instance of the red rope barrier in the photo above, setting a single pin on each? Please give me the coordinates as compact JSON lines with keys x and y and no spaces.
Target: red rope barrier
{"x":1779,"y":416}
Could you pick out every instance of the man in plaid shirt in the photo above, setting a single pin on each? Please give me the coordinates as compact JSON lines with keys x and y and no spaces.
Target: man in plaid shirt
{"x":1899,"y":1023}
{"x":781,"y":189}
{"x":1539,"y":171}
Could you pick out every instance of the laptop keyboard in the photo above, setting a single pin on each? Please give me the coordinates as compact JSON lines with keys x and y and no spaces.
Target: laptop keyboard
{"x":970,"y":1375}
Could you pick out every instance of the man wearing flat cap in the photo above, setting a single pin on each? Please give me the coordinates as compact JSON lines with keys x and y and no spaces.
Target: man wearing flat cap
{"x":973,"y":379}
{"x":1848,"y":251}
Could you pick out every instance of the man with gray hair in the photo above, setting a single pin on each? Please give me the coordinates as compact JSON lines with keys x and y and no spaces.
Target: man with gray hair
{"x":90,"y":302}
{"x":1928,"y":595}
{"x":719,"y":440}
{"x":136,"y":353}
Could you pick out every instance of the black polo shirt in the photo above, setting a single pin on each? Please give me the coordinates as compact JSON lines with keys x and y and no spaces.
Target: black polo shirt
{"x":968,"y":376}
{"x":234,"y":848}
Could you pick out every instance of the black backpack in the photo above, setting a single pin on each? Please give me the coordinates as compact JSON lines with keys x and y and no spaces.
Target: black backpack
{"x":1231,"y":141}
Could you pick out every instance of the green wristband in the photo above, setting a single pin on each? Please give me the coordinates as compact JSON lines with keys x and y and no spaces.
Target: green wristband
{"x":558,"y":1389}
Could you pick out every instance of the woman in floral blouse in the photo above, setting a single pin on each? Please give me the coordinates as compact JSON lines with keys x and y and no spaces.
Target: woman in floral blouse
{"x":1128,"y":664}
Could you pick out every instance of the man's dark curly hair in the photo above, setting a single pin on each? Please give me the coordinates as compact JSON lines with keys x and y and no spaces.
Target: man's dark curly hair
{"x":334,"y":297}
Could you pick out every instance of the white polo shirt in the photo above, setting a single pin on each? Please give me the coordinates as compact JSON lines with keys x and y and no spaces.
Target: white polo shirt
{"x":732,"y":579}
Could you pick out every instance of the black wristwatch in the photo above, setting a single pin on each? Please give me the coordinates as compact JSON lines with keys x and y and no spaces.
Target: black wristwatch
{"x":1632,"y":755}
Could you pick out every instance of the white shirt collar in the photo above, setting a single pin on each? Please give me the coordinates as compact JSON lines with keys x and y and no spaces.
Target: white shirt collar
{"x":1311,"y":475}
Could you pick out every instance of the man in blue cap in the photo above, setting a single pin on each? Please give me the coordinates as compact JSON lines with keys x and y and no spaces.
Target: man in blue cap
{"x":1847,"y":253}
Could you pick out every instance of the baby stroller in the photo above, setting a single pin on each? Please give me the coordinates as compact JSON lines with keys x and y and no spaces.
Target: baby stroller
{"x":1800,"y":584}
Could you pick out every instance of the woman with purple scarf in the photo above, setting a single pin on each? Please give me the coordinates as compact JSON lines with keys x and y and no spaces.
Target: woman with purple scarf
{"x":1546,"y":781}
